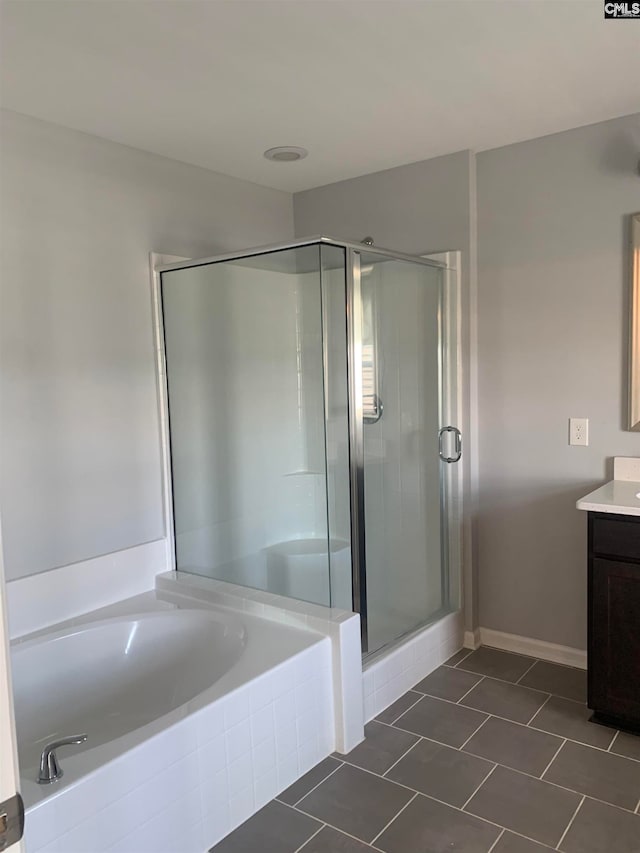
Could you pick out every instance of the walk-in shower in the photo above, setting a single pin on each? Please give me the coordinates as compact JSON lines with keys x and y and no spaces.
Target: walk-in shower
{"x":310,"y":392}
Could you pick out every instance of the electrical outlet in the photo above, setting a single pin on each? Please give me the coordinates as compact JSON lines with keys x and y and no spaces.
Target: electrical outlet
{"x":579,"y":431}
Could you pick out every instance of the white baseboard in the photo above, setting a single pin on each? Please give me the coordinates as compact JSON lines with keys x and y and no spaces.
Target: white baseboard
{"x":472,"y":639}
{"x":528,"y":646}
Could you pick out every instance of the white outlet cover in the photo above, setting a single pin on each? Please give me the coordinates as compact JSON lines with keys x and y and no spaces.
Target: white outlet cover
{"x":579,"y":432}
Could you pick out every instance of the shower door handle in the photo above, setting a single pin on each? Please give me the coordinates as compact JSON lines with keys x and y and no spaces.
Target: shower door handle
{"x":458,"y":443}
{"x":376,"y":411}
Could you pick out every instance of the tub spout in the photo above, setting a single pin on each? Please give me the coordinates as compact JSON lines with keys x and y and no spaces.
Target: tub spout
{"x":50,"y":770}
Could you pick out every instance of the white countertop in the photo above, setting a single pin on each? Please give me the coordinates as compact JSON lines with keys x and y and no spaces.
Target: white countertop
{"x":617,"y":496}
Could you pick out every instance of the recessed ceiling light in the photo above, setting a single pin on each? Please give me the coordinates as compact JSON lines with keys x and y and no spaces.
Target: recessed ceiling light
{"x":286,"y":153}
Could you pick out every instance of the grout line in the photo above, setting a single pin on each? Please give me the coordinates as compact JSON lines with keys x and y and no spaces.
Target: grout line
{"x":319,"y":783}
{"x":570,"y":822}
{"x":391,"y":781}
{"x":583,"y":743}
{"x":458,"y":809}
{"x":481,"y":675}
{"x":415,"y":793}
{"x":444,"y":803}
{"x":462,"y":746}
{"x":332,"y":826}
{"x":484,"y":675}
{"x":432,"y":739}
{"x":513,"y":769}
{"x":613,"y":741}
{"x":468,"y":800}
{"x":451,"y":702}
{"x":493,"y":846}
{"x":515,"y":723}
{"x":513,"y":654}
{"x":538,"y":711}
{"x":420,"y":696}
{"x":392,"y":725}
{"x":567,"y":740}
{"x":304,"y":844}
{"x":564,"y":788}
{"x":602,"y":749}
{"x":486,"y":820}
{"x":555,"y":754}
{"x":470,"y":689}
{"x":505,"y":767}
{"x":512,"y":683}
{"x":402,"y":756}
{"x":384,"y":828}
{"x":454,"y":665}
{"x":525,"y":673}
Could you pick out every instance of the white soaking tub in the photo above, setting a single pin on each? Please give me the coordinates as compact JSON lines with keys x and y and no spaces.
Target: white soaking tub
{"x":196,"y":716}
{"x":111,"y":677}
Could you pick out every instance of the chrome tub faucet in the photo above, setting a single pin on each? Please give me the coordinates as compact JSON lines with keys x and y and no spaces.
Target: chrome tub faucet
{"x":50,"y":770}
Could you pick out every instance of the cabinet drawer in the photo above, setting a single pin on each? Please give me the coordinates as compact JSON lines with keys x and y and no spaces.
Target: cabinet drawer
{"x":615,"y":536}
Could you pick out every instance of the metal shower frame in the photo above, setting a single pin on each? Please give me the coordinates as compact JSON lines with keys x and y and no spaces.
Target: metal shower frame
{"x":353,"y":306}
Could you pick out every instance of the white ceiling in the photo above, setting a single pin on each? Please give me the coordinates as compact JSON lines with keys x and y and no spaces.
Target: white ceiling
{"x":363,"y":85}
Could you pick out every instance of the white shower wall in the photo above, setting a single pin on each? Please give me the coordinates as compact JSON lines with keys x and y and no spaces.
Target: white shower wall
{"x":244,"y":354}
{"x":257,"y":479}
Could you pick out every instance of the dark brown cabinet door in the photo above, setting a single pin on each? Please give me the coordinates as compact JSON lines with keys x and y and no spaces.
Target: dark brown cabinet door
{"x":614,"y":639}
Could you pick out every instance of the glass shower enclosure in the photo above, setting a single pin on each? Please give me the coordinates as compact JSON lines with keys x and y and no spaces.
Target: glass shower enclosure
{"x":308,"y":407}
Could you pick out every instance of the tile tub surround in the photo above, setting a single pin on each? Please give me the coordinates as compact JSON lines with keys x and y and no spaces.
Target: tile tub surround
{"x":401,"y":792}
{"x":192,"y":776}
{"x":341,"y":627}
{"x":388,"y":676}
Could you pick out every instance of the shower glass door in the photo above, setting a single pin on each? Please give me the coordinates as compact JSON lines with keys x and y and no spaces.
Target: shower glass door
{"x":398,"y":317}
{"x":306,"y":394}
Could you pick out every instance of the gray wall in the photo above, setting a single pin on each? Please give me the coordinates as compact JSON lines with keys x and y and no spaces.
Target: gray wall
{"x":420,"y":208}
{"x":79,"y":449}
{"x":552,"y":288}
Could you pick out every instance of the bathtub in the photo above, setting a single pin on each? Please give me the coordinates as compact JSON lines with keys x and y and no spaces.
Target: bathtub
{"x":196,"y":715}
{"x":111,"y":677}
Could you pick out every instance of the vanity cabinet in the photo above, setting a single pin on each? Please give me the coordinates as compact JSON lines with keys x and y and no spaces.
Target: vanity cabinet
{"x":614,"y":619}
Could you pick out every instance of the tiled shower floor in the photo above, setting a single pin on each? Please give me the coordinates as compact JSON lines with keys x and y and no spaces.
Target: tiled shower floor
{"x":491,"y":752}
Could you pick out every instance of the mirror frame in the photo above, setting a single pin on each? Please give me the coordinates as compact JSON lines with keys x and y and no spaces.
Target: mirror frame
{"x":634,"y":330}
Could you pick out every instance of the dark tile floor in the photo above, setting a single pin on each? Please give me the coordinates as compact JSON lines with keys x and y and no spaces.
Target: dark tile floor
{"x":491,"y":752}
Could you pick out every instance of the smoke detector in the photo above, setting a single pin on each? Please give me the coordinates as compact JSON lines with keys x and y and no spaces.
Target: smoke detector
{"x":286,"y":153}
